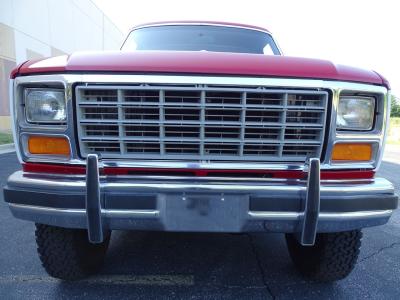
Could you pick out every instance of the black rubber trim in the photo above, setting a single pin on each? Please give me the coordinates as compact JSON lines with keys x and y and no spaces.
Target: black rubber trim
{"x":136,"y":201}
{"x":36,"y":198}
{"x":358,"y":203}
{"x":328,"y":204}
{"x":274,"y":203}
{"x":77,"y":201}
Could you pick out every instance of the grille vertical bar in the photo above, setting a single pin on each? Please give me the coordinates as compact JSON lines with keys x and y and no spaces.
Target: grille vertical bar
{"x":283,"y":128}
{"x":200,"y":123}
{"x":162,"y":133}
{"x":202,"y":120}
{"x":121,"y":130}
{"x":243,"y":123}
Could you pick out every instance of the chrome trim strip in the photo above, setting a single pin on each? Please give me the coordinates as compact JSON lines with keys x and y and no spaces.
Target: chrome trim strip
{"x":192,"y":79}
{"x":14,"y":124}
{"x":356,"y":215}
{"x":120,"y":213}
{"x":276,"y":215}
{"x":205,"y":187}
{"x":56,"y":211}
{"x":76,"y":183}
{"x":385,"y":129}
{"x":323,"y":216}
{"x":106,"y":213}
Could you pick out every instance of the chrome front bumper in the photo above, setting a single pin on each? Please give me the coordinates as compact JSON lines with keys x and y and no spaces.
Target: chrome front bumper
{"x":99,"y":203}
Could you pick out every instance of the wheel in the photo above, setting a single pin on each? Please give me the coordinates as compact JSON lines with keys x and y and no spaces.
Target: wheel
{"x":332,"y":257}
{"x":67,"y":254}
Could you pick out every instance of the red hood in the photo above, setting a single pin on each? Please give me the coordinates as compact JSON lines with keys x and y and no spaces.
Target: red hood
{"x":218,"y":63}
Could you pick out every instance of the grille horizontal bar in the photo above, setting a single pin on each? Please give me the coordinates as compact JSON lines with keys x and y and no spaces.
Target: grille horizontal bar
{"x":200,"y":122}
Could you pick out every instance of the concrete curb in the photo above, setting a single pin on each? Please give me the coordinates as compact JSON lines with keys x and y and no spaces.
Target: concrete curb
{"x":7,"y":148}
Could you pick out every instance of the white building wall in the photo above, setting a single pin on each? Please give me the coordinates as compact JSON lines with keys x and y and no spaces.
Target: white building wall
{"x":25,"y":44}
{"x":61,"y":20}
{"x":32,"y":29}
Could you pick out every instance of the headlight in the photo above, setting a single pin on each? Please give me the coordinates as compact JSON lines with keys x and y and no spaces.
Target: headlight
{"x":355,"y":113}
{"x":45,"y":106}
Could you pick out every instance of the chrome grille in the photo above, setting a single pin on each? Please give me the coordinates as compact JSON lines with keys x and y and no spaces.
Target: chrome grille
{"x":200,"y":123}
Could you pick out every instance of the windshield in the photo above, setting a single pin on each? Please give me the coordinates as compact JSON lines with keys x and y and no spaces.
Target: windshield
{"x":200,"y":38}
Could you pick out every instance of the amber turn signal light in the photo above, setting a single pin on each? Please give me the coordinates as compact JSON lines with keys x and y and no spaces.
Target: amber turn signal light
{"x":352,"y":152}
{"x":48,"y":145}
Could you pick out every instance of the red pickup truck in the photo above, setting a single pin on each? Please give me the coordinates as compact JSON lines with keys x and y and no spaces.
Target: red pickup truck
{"x":198,"y":127}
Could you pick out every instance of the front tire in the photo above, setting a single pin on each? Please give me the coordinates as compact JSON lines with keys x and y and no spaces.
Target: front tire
{"x":67,"y":254}
{"x":332,"y":257}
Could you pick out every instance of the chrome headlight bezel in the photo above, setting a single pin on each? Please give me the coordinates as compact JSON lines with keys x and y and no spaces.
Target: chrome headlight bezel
{"x":369,"y":113}
{"x":58,"y":97}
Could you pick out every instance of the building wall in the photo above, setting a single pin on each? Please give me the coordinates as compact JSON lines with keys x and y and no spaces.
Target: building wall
{"x":41,"y":28}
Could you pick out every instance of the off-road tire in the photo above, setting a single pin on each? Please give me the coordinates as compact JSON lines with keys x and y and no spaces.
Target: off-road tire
{"x":332,"y":258}
{"x":67,"y":253}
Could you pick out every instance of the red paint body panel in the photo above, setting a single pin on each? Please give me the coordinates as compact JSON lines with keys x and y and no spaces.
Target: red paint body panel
{"x":384,"y":81}
{"x":15,"y":71}
{"x":186,"y":62}
{"x":71,"y":169}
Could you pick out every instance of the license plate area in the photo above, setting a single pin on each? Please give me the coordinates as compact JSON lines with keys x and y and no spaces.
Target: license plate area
{"x":204,"y":212}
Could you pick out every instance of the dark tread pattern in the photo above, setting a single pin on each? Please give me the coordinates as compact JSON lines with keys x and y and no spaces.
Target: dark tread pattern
{"x":67,"y":254}
{"x":332,"y":258}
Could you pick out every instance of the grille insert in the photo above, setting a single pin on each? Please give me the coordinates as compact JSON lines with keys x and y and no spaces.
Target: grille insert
{"x":200,"y":123}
